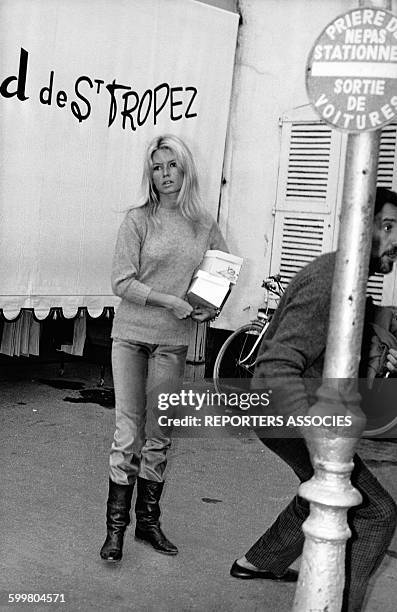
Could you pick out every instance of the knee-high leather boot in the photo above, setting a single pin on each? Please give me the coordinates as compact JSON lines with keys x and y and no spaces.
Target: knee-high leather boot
{"x":147,"y":509}
{"x":117,"y":520}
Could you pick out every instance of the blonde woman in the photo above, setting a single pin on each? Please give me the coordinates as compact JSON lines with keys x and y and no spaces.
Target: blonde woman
{"x":160,"y":244}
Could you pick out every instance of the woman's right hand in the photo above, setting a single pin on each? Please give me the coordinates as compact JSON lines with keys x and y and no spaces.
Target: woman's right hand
{"x":180,"y":308}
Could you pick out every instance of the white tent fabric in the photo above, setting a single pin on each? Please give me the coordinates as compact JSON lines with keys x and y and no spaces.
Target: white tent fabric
{"x":71,"y":162}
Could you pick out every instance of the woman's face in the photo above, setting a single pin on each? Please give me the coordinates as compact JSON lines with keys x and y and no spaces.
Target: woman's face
{"x":167,"y":175}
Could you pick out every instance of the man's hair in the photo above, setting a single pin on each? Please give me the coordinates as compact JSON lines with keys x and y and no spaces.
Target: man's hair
{"x":384,"y":196}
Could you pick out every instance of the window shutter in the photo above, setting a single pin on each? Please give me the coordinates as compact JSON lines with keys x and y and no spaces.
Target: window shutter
{"x":380,"y":287}
{"x":304,"y":214}
{"x":311,"y":149}
{"x":387,"y":166}
{"x":309,"y":194}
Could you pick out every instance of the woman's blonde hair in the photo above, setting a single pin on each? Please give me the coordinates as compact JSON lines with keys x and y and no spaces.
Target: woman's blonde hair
{"x":189,"y":200}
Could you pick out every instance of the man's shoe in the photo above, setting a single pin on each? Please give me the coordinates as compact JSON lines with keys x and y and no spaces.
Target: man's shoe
{"x":237,"y":571}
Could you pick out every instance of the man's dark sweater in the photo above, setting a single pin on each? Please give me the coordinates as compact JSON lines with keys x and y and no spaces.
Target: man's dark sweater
{"x":291,"y":357}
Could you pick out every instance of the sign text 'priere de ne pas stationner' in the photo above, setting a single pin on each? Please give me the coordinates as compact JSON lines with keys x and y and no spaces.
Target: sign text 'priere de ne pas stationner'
{"x":351,"y":75}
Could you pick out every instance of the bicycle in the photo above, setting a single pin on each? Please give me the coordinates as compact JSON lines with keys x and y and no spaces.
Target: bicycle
{"x":235,"y":363}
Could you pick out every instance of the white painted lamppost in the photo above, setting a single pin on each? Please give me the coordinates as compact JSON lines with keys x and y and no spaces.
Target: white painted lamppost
{"x":330,"y":493}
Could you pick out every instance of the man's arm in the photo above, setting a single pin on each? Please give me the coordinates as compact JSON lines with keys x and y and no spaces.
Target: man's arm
{"x":294,"y":346}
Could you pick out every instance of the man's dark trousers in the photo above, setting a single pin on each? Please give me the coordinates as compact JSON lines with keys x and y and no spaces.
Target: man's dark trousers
{"x":372,"y":524}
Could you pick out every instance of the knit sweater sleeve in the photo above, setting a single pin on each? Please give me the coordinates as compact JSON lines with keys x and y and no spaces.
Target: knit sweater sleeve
{"x":294,"y":344}
{"x":125,"y":269}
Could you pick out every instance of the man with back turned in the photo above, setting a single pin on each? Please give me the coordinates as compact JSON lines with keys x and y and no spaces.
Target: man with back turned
{"x":293,"y":350}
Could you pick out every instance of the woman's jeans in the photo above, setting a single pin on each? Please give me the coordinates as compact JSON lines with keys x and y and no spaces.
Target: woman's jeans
{"x":140,"y":372}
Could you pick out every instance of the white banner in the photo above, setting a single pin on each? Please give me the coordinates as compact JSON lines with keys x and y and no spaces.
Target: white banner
{"x":84,"y":85}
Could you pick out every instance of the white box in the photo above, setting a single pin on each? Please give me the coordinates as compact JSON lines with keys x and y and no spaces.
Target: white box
{"x":208,"y":290}
{"x":222,"y":264}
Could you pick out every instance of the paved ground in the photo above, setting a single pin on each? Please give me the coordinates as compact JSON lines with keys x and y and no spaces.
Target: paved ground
{"x":221,"y":493}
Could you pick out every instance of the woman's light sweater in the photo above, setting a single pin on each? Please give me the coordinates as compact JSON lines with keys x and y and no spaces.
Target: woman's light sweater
{"x":161,"y":256}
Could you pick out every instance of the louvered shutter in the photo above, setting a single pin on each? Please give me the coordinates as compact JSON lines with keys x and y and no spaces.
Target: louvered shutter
{"x":309,"y":194}
{"x":381,"y":287}
{"x":384,"y":288}
{"x":304,"y":215}
{"x":387,"y":166}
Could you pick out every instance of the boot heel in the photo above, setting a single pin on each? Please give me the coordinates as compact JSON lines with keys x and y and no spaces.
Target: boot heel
{"x":155,"y":538}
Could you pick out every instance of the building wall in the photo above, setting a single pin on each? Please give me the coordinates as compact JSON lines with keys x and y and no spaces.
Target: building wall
{"x":275,"y":39}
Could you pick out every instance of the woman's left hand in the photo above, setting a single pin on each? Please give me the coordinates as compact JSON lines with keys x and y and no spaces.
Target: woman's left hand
{"x":391,"y":363}
{"x":201,"y":314}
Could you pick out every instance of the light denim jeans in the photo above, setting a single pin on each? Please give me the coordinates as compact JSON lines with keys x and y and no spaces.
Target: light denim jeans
{"x":140,"y":372}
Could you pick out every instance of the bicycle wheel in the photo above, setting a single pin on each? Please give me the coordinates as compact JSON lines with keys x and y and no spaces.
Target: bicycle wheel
{"x":234,"y":365}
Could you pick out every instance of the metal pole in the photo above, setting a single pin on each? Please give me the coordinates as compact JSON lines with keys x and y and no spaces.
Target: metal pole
{"x":321,"y":578}
{"x":382,"y":4}
{"x":322,"y":574}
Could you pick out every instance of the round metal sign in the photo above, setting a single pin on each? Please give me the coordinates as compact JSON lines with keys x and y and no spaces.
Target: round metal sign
{"x":351,"y":74}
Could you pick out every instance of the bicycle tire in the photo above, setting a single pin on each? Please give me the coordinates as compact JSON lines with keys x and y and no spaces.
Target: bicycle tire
{"x":228,"y":375}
